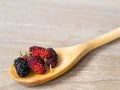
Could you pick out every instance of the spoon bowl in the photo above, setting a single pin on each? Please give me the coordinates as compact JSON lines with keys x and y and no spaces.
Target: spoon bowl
{"x":67,"y":58}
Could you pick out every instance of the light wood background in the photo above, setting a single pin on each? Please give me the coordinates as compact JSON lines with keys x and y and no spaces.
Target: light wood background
{"x":59,"y":23}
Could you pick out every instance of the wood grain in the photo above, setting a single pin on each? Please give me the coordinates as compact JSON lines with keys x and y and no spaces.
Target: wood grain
{"x":59,"y":23}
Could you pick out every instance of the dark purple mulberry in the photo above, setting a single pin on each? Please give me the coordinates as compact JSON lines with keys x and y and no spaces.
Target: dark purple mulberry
{"x":52,"y":60}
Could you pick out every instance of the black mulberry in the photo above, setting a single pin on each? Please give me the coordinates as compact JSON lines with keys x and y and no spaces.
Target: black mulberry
{"x":21,"y":66}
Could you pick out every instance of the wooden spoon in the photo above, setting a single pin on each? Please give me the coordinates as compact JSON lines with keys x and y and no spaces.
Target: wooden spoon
{"x":67,"y":57}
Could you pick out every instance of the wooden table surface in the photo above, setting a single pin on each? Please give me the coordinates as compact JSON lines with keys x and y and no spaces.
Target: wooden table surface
{"x":60,"y":23}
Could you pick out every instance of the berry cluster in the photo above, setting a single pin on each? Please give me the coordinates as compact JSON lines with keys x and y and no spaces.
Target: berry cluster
{"x":35,"y":61}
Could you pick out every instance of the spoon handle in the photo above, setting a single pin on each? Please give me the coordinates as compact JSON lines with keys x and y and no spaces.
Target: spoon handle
{"x":99,"y":41}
